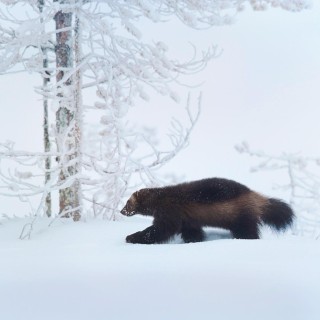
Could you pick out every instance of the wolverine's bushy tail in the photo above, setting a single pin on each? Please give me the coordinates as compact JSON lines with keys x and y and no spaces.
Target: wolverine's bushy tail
{"x":277,"y":214}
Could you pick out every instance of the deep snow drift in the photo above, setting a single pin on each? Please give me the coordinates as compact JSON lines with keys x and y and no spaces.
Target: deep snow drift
{"x":85,"y":270}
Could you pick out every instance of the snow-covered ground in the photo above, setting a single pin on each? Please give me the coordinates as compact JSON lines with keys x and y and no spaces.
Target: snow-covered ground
{"x":264,"y":89}
{"x":86,"y":271}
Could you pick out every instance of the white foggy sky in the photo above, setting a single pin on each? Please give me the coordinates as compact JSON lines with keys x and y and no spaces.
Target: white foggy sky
{"x":264,"y":89}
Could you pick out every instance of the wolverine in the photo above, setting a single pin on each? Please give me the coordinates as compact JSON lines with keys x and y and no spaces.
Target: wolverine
{"x":215,"y":202}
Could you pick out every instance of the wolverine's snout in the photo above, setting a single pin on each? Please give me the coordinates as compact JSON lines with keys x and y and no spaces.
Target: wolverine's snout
{"x":124,"y":211}
{"x":127,"y":213}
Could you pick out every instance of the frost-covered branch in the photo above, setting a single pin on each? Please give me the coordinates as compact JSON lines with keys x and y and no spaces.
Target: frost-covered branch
{"x":80,"y":46}
{"x":303,"y":184}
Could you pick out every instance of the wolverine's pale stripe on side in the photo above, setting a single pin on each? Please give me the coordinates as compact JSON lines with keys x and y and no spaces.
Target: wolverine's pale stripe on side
{"x":186,"y":208}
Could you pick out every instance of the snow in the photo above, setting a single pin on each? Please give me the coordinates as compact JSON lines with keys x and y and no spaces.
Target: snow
{"x":85,"y":270}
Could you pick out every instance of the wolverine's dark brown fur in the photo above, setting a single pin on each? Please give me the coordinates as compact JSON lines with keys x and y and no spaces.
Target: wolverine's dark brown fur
{"x":186,"y":208}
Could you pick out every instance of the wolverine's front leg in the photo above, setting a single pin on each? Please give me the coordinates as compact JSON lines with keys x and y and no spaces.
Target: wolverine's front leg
{"x":147,"y":236}
{"x":158,"y":233}
{"x":164,"y":227}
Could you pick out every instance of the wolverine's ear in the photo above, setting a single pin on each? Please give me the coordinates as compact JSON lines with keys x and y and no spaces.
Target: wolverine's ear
{"x":134,"y":198}
{"x":142,"y":192}
{"x":137,"y":194}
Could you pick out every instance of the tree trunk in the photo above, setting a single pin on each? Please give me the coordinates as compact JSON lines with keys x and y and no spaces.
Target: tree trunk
{"x":78,"y":128}
{"x":46,"y":140}
{"x":65,"y":116}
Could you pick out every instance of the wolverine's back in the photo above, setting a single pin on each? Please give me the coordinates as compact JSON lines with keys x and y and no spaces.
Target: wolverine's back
{"x":208,"y":190}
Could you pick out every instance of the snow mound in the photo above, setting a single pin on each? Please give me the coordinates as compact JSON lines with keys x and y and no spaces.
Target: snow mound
{"x":85,"y":270}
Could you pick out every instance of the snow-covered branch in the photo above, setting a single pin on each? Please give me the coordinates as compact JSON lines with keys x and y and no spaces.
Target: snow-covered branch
{"x":97,"y":46}
{"x":303,"y":184}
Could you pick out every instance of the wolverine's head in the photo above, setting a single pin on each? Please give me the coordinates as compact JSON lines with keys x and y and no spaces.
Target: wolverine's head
{"x":139,"y":202}
{"x":131,"y":206}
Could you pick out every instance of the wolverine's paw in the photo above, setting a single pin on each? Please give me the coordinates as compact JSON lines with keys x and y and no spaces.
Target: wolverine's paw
{"x":146,"y":236}
{"x":189,"y":234}
{"x":134,"y":238}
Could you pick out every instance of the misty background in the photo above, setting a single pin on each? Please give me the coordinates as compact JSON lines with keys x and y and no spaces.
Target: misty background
{"x":263,"y":88}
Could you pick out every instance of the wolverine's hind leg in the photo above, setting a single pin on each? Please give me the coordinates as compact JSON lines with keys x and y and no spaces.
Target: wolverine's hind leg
{"x":246,"y":226}
{"x":192,"y":234}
